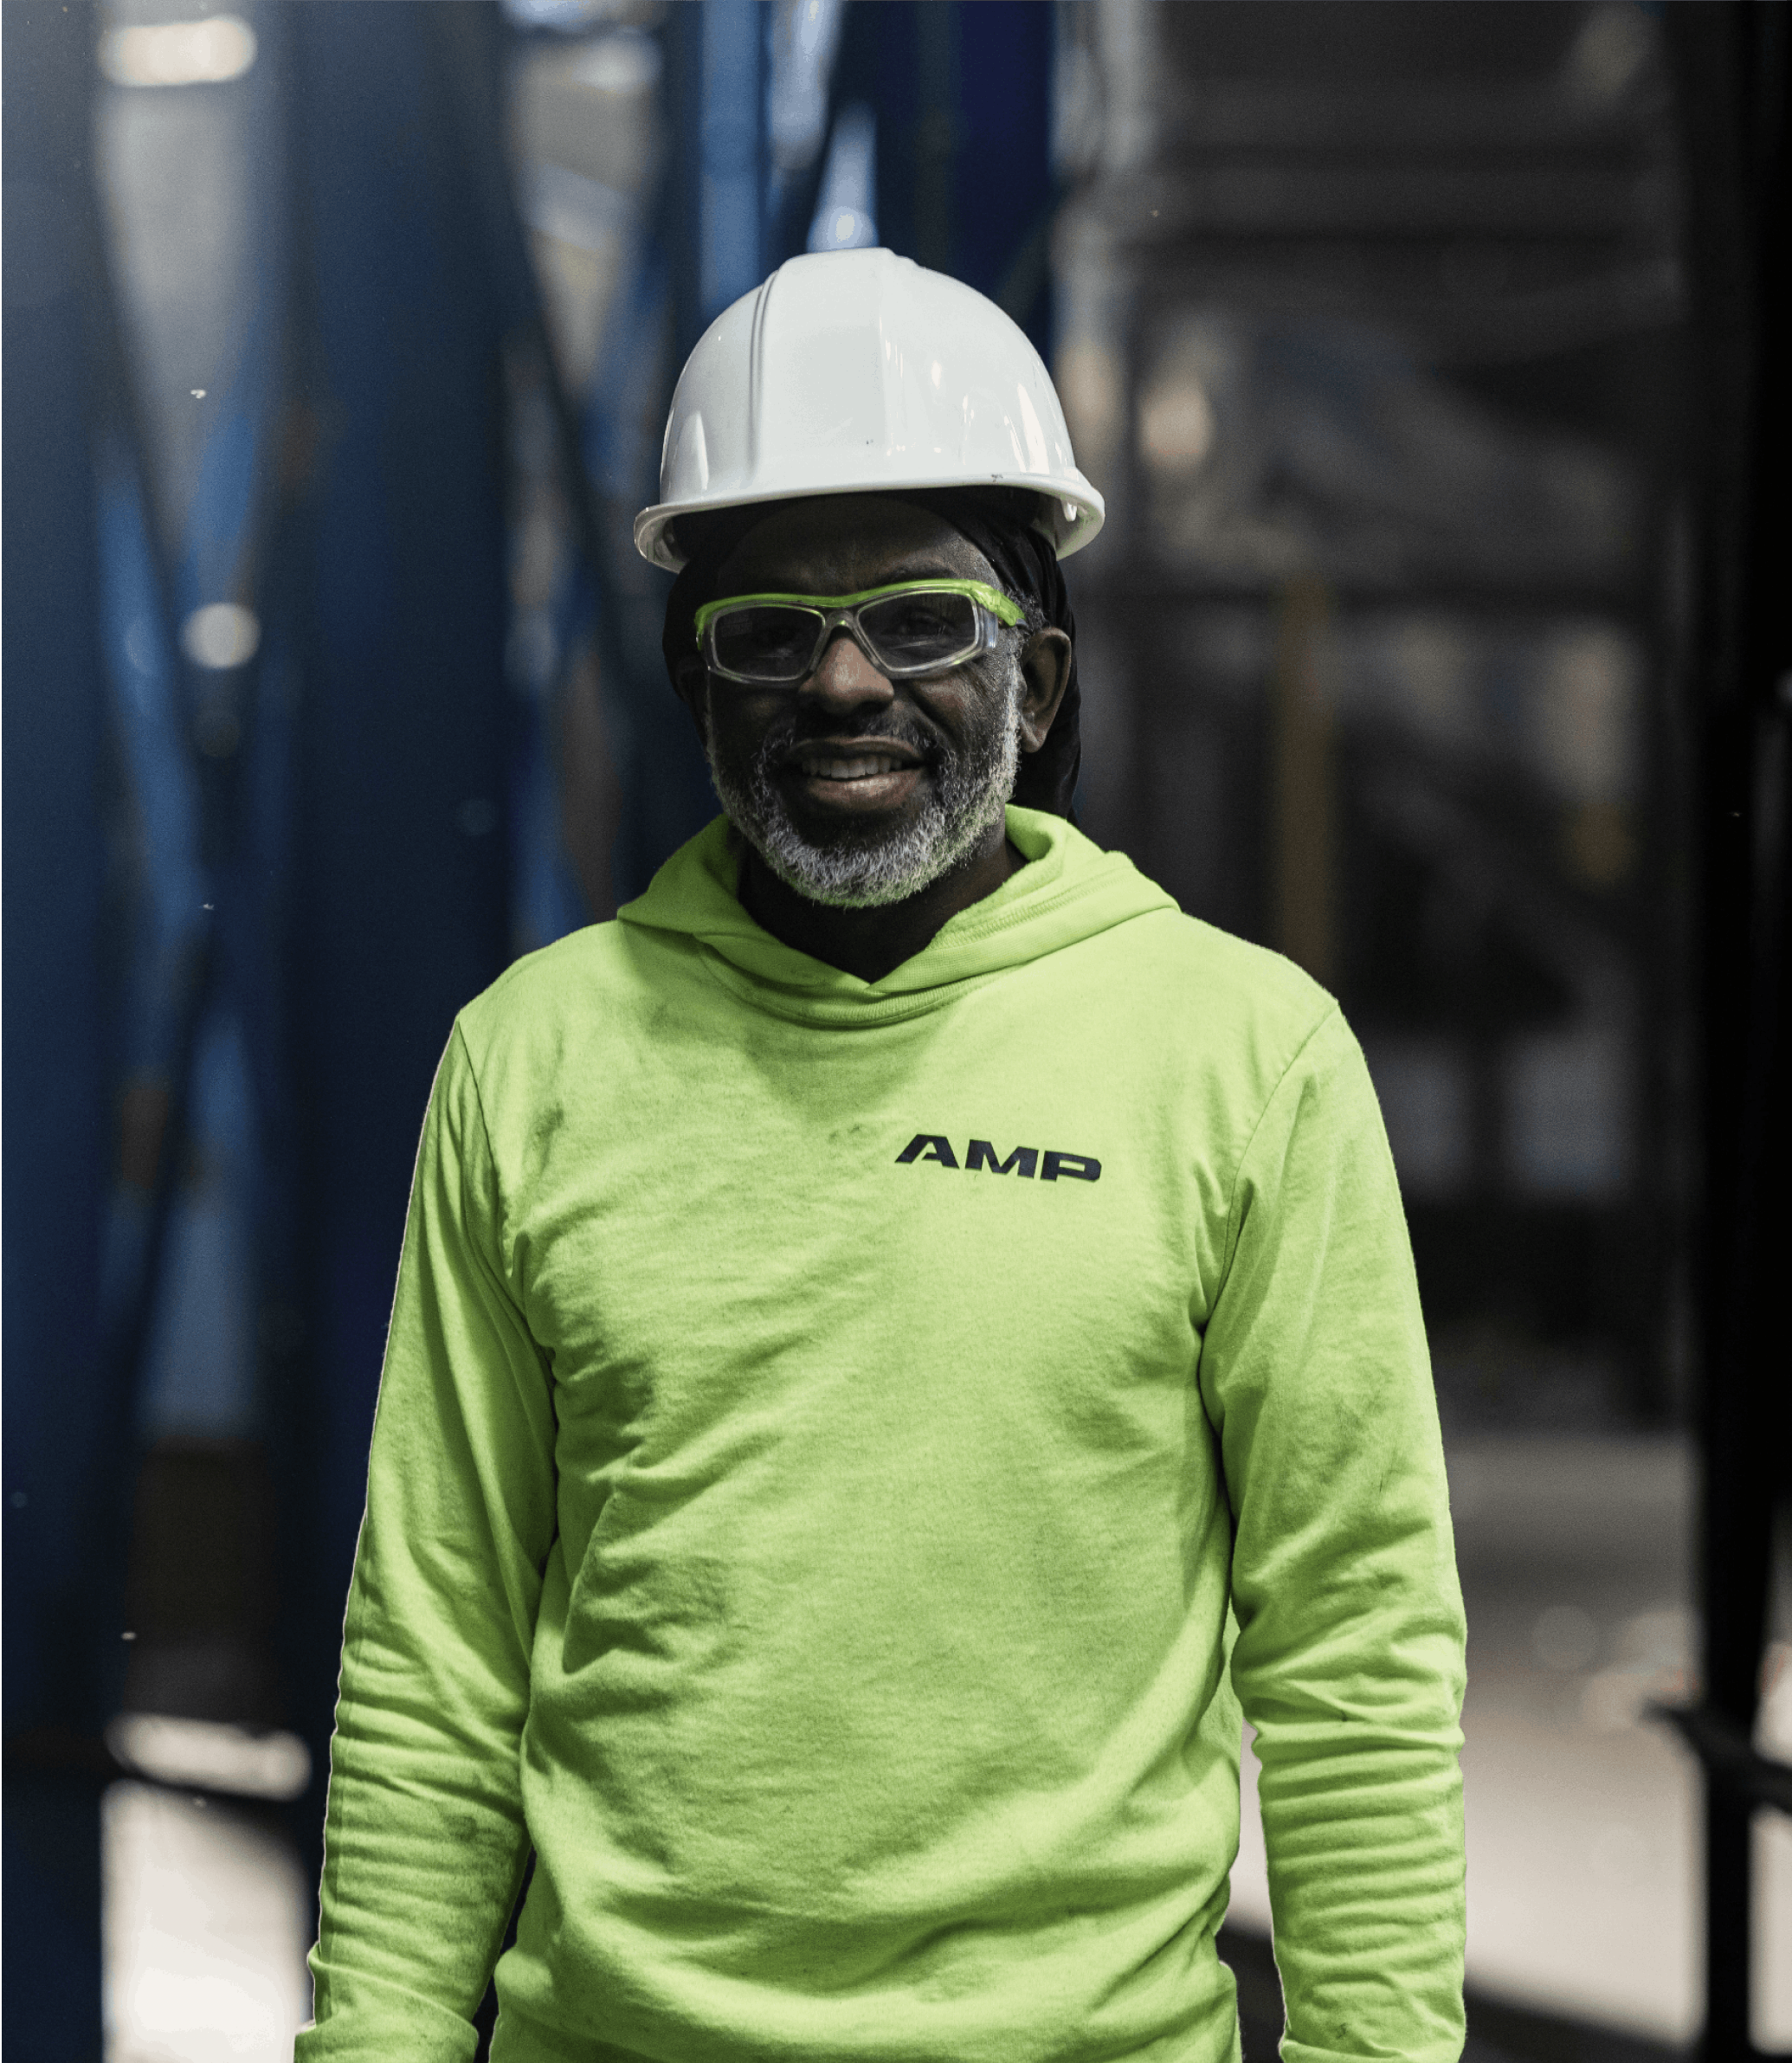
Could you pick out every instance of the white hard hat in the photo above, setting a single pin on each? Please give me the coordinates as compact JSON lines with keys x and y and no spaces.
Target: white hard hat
{"x":860,"y":372}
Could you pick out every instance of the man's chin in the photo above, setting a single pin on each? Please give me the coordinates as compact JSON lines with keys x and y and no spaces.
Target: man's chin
{"x":861,"y":868}
{"x":854,"y":829}
{"x":848,"y":873}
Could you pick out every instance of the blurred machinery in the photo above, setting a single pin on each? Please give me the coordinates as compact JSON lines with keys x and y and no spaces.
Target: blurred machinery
{"x":1444,"y":645}
{"x":1369,"y":325}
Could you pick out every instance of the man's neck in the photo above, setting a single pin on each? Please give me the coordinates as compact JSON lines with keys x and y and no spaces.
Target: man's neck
{"x":870,"y":943}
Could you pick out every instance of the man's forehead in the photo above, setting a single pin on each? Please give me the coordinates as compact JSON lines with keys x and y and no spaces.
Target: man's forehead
{"x":846,"y":543}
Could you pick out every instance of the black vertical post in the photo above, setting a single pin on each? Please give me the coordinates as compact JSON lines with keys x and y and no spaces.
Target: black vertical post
{"x":56,"y":1104}
{"x":1731,"y":65}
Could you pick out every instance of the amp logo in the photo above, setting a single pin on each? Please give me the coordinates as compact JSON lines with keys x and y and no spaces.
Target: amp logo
{"x":980,"y":1156}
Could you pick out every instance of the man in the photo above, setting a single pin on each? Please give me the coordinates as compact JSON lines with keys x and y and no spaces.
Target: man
{"x":875,"y":1321}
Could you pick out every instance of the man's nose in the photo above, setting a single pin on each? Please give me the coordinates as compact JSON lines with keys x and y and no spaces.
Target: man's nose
{"x":845,"y":676}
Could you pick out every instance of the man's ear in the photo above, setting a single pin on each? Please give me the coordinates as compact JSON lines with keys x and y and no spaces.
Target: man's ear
{"x":691,"y":680}
{"x":1045,"y":668}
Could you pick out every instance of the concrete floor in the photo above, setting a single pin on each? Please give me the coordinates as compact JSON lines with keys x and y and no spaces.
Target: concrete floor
{"x":206,"y":1928}
{"x":1583,"y":1817}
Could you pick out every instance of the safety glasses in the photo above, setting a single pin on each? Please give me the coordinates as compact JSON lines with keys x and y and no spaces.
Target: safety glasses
{"x":912,"y":627}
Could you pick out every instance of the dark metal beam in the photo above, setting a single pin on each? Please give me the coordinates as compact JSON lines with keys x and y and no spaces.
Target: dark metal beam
{"x":398,"y":872}
{"x":1731,"y":62}
{"x":57,"y":1114}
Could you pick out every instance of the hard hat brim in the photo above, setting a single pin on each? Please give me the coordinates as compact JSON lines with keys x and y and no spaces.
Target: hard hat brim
{"x":654,"y":527}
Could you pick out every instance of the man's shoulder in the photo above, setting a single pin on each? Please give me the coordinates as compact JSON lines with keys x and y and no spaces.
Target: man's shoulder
{"x":1231,"y":992}
{"x":588,"y":980}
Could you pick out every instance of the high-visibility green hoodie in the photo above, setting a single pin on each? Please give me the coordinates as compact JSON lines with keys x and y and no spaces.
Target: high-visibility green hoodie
{"x":823,"y":1427}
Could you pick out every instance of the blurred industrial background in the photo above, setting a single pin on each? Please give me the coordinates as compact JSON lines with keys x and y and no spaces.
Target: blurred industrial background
{"x":1426,"y":356}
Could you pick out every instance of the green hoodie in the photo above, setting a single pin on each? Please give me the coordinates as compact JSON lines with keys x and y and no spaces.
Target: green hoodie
{"x":824,"y":1429}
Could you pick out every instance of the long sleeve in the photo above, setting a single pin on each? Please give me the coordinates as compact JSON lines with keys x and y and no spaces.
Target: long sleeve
{"x":1349,"y":1661}
{"x":424,"y":1839}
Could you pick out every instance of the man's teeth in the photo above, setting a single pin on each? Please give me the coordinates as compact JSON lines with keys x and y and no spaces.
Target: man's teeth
{"x":848,"y":770}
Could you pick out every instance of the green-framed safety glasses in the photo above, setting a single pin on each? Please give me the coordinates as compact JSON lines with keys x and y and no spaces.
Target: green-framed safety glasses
{"x":911,"y":627}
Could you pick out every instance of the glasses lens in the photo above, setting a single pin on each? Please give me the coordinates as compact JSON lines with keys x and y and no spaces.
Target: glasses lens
{"x":768,"y":641}
{"x":914,"y":632}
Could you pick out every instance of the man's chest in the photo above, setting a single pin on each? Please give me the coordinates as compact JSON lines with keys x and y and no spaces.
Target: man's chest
{"x":918,"y":1299}
{"x":927,"y":1212}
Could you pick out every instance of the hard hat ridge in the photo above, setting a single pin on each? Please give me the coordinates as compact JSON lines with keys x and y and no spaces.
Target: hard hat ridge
{"x":860,"y":372}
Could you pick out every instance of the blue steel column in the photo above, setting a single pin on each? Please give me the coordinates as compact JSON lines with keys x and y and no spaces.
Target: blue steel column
{"x":715,"y":100}
{"x":963,"y":99}
{"x":706,"y":249}
{"x":198,"y":723}
{"x":399,"y":890}
{"x":56,"y":1113}
{"x":729,"y":138}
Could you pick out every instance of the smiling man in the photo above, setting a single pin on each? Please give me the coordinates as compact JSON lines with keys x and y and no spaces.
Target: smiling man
{"x":900,"y":1337}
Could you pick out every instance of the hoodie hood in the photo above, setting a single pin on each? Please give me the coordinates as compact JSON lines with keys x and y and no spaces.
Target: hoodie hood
{"x":1069,"y":890}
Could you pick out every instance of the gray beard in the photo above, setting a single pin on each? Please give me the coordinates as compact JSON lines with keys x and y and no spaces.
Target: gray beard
{"x":969,"y":793}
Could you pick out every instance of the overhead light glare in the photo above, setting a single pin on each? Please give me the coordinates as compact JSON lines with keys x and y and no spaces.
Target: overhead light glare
{"x":222,"y":634}
{"x":210,"y":1757}
{"x":1176,"y":427}
{"x":845,"y":218}
{"x":627,"y":62}
{"x":207,"y":53}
